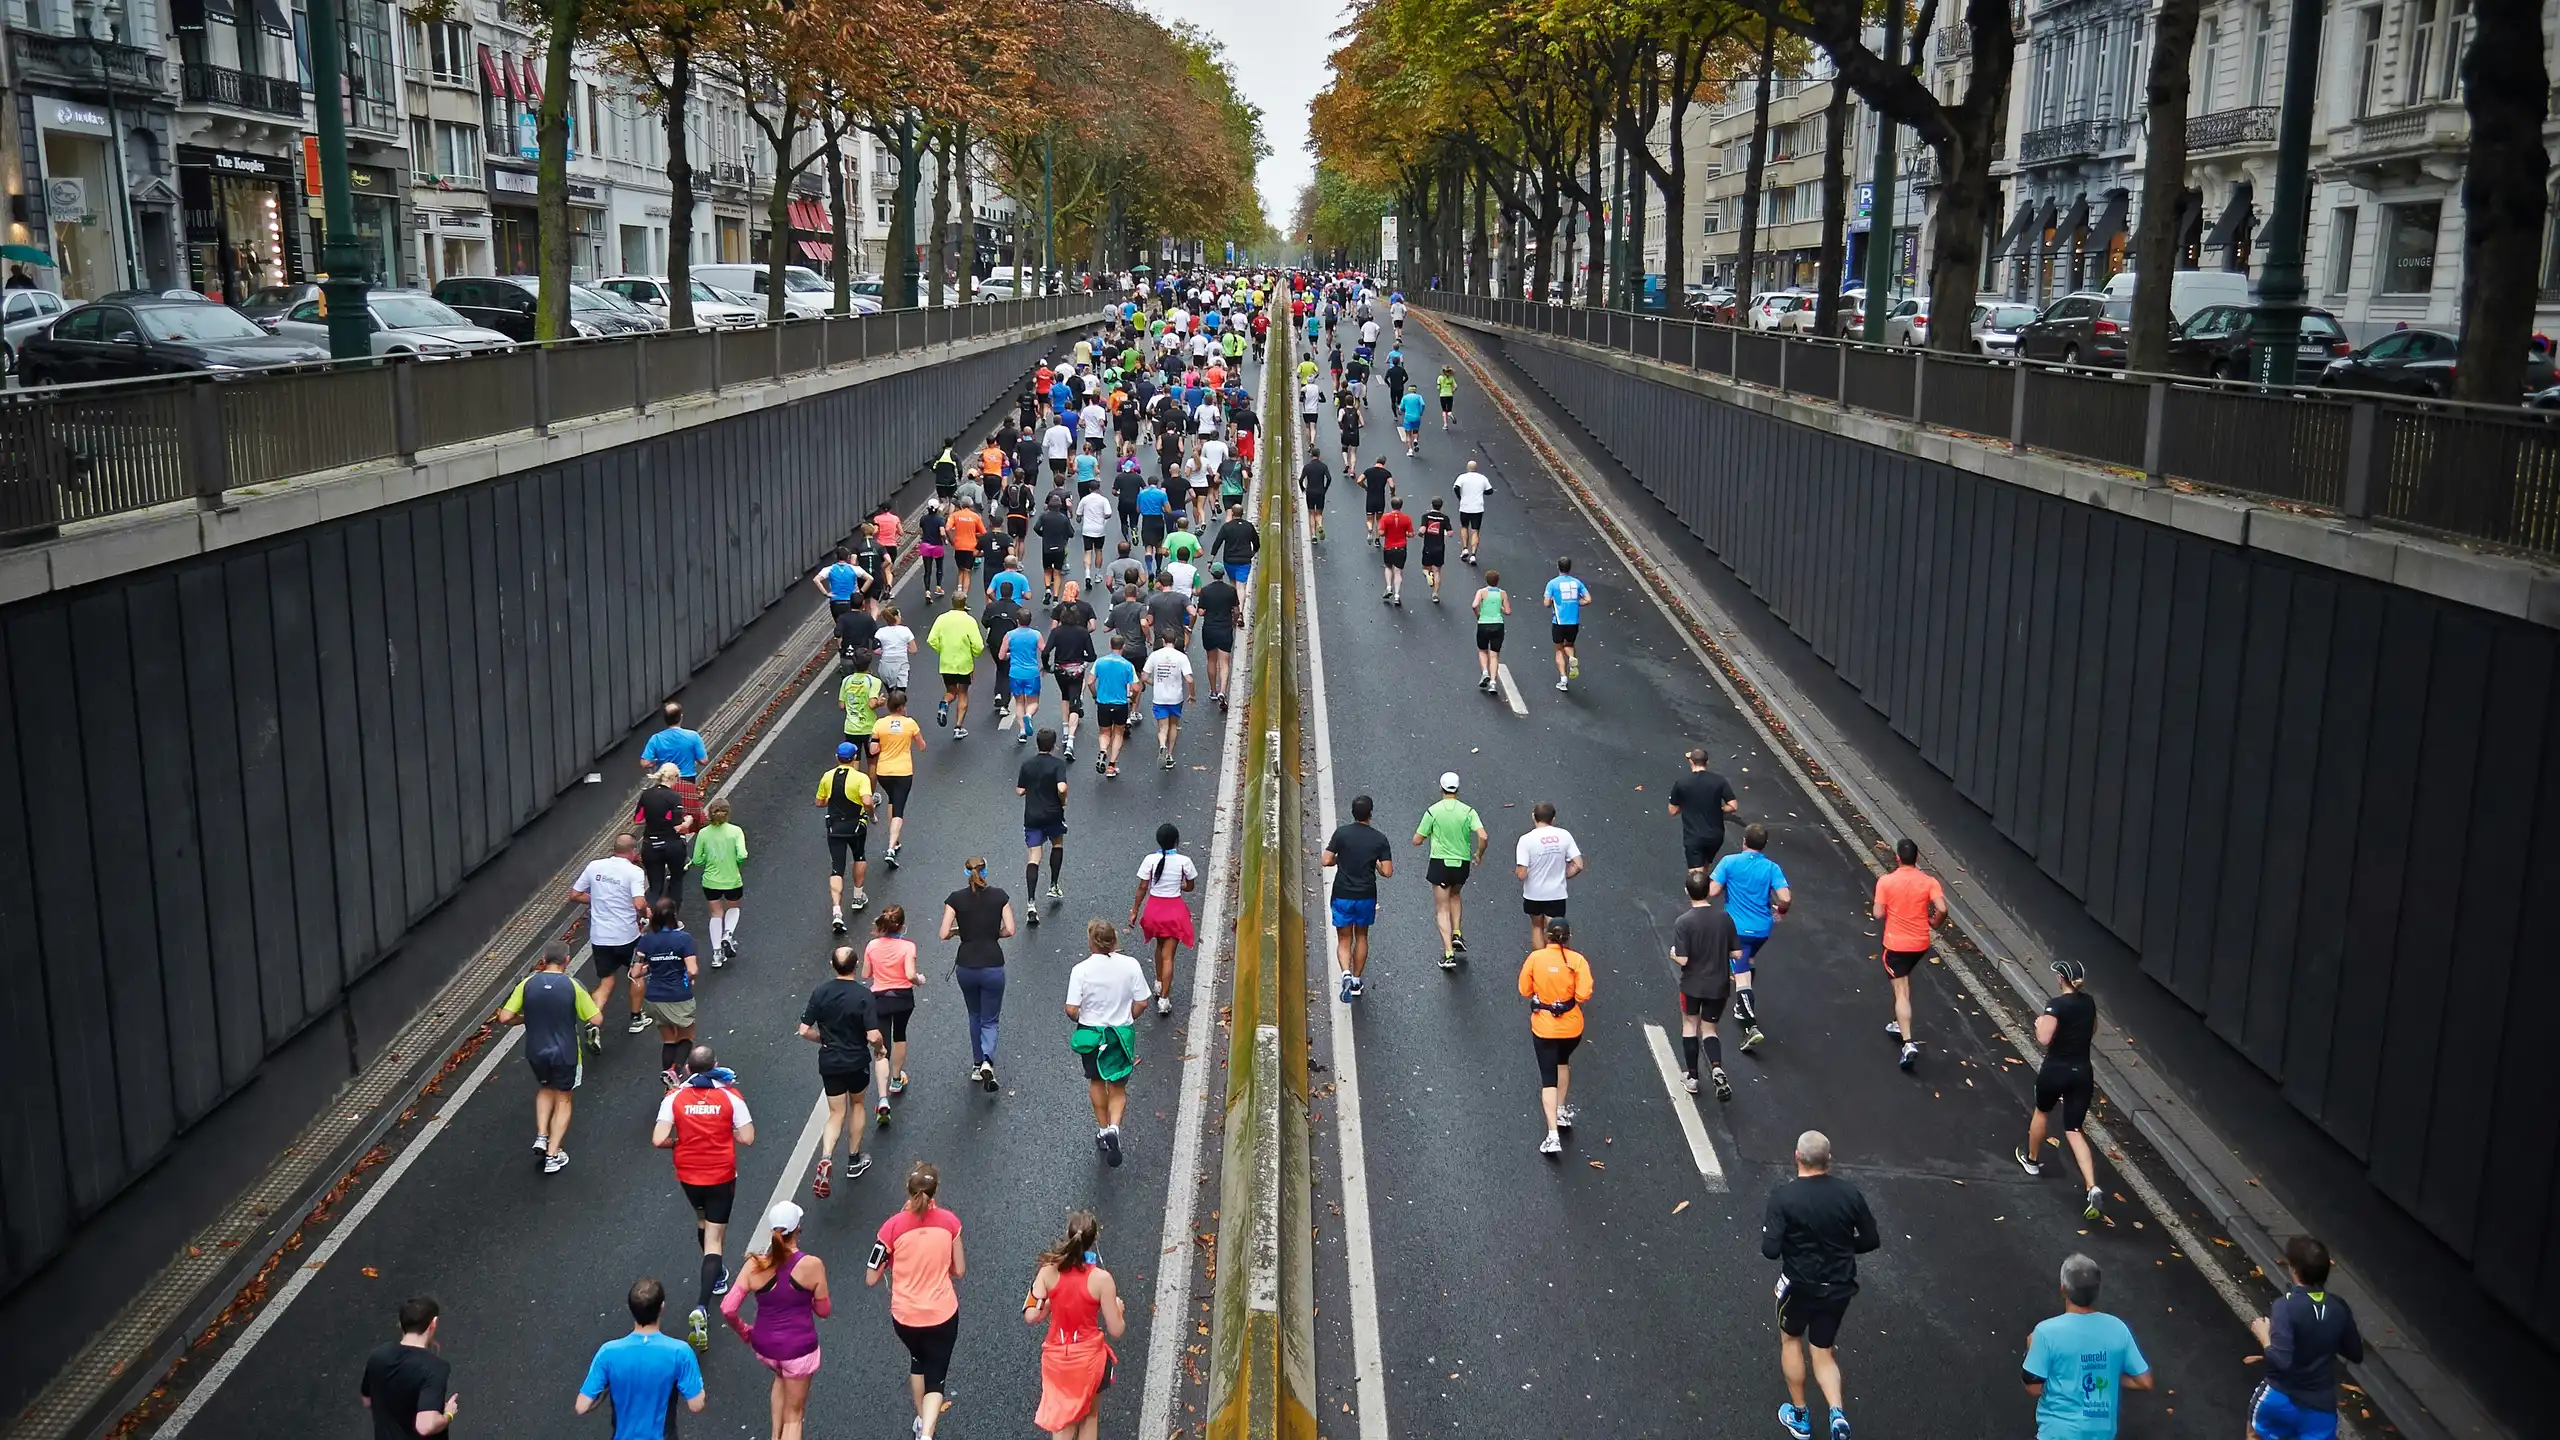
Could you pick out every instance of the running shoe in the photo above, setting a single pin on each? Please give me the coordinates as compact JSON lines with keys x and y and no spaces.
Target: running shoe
{"x":960,"y":733}
{"x":1893,"y":1028}
{"x":1033,"y":914}
{"x":543,"y":1142}
{"x":857,"y":1165}
{"x":698,"y":1330}
{"x":1101,"y":766}
{"x":837,"y":920}
{"x":1111,"y":1147}
{"x":1057,"y":893}
{"x":1690,"y":1080}
{"x":1359,"y":987}
{"x":1796,"y":1421}
{"x":987,"y":1077}
{"x":1751,"y":1038}
{"x":898,"y":1083}
{"x":1344,"y":988}
{"x":1565,"y":1116}
{"x":729,"y":947}
{"x":881,"y":1114}
{"x":2090,"y":1211}
{"x":1910,"y":1057}
{"x":861,"y":898}
{"x":1573,"y":666}
{"x":1839,"y":1426}
{"x":1389,"y":596}
{"x":1114,"y":771}
{"x":942,"y":712}
{"x":1724,"y":1083}
{"x":1168,"y":762}
{"x":1560,"y":685}
{"x":1022,"y":737}
{"x":1457,"y":942}
{"x":639,"y":1022}
{"x":554,"y":1164}
{"x":1164,"y":1006}
{"x":823,"y":1184}
{"x":1552,"y":1145}
{"x":672,"y":1077}
{"x":1448,"y":960}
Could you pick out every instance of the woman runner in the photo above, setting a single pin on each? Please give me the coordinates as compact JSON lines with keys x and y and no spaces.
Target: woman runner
{"x":1160,"y":912}
{"x":890,"y":959}
{"x":790,"y":1286}
{"x":980,"y":917}
{"x":1082,"y":1306}
{"x":919,"y":1253}
{"x":932,"y":536}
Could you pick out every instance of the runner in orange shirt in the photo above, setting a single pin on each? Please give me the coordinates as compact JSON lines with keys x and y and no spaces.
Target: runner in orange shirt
{"x":965,"y":526}
{"x":1556,"y":981}
{"x":1908,"y":901}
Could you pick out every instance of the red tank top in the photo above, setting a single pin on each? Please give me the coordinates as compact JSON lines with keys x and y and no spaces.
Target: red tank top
{"x":1073,"y":1312}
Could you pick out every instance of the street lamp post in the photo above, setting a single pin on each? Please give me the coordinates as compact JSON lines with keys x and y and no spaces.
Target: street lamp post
{"x":342,"y":301}
{"x":1880,"y":206}
{"x":2276,"y":326}
{"x":1048,"y":210}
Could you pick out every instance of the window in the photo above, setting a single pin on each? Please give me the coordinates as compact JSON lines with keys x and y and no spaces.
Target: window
{"x":2456,"y":38}
{"x":448,"y":52}
{"x":422,"y":143}
{"x":2369,"y":60}
{"x":2262,"y":39}
{"x":2342,"y":248}
{"x":2045,"y":102}
{"x":457,"y":151}
{"x":2409,"y":248}
{"x":2208,"y":59}
{"x":2418,"y":19}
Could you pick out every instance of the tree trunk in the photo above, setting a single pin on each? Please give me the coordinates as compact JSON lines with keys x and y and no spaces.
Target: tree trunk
{"x":1674,"y":183}
{"x":2504,"y":86}
{"x":839,"y":258}
{"x":1615,"y":291}
{"x":777,"y":217}
{"x":1752,"y":175}
{"x":1595,"y":289}
{"x":1480,"y":258}
{"x":1956,"y":270}
{"x":1542,"y":274}
{"x":551,"y":308}
{"x":898,"y":290}
{"x":678,"y":99}
{"x":1835,"y":219}
{"x":2164,"y":185}
{"x":938,"y":258}
{"x":967,"y":238}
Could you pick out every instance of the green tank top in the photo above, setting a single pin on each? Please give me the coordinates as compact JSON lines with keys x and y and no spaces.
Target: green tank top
{"x":1489,"y":609}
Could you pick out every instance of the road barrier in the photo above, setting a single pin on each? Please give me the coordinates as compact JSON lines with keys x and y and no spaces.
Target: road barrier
{"x":1262,"y":1334}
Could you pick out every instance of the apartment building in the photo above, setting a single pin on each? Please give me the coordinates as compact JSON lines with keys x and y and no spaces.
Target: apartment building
{"x":1788,"y":248}
{"x":94,"y":178}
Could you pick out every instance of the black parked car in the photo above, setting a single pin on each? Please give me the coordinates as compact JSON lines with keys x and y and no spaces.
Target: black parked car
{"x":131,"y":339}
{"x":2083,"y":328}
{"x":2215,"y":341}
{"x":505,"y":304}
{"x":2416,"y":362}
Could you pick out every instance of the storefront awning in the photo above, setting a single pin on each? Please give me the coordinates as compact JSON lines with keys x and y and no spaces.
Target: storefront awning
{"x":2072,"y":224}
{"x":491,"y":78}
{"x":2190,"y":217}
{"x":818,"y":250}
{"x":2044,"y":225}
{"x":271,"y":19}
{"x":2014,"y":241}
{"x":532,"y":85}
{"x":809,"y":215}
{"x":2234,"y":221}
{"x":2110,"y":221}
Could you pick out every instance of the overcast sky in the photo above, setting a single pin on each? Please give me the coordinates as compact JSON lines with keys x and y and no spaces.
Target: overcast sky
{"x":1278,"y":48}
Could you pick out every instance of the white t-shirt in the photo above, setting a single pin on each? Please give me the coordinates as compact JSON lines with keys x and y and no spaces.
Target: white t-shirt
{"x":1107,"y":989}
{"x":1096,"y":420}
{"x":1200,"y":346}
{"x":1165,"y":873}
{"x":611,"y":885}
{"x":1472,"y":486}
{"x":1168,"y":670}
{"x":1205,"y":416}
{"x":1213,"y":453}
{"x":1544,"y":852}
{"x":1057,"y":440}
{"x":1184,"y":573}
{"x":1369,"y":332}
{"x":1093,"y":515}
{"x":897,"y":645}
{"x":1396,"y":310}
{"x":1311,"y":399}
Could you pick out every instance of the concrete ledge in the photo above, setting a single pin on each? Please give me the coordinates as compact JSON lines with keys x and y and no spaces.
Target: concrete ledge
{"x":2442,"y":568}
{"x":91,"y":550}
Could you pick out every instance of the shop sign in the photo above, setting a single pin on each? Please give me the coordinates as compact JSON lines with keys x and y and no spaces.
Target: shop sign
{"x":67,"y":116}
{"x":581,"y":190}
{"x":361,"y":179}
{"x":462,"y":226}
{"x":514,"y":182}
{"x":66,"y":197}
{"x":232,"y":162}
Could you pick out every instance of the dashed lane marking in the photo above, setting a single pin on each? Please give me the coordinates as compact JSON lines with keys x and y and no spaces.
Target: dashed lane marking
{"x":1685,"y":1105}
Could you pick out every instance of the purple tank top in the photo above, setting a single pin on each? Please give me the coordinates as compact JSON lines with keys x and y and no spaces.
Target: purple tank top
{"x":786,"y":1326}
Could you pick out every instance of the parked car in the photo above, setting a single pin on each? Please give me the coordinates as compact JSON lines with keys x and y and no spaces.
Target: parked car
{"x":1784,"y":310}
{"x":24,"y":313}
{"x":2085,"y":327}
{"x":991,"y":290}
{"x":2418,"y":363}
{"x":1907,"y":323}
{"x":649,"y":319}
{"x":710,"y":306}
{"x":2215,"y":341}
{"x":805,"y":293}
{"x":1996,"y":326}
{"x":180,"y":293}
{"x":505,"y":304}
{"x":132,"y":339}
{"x":1712,"y":303}
{"x":405,"y":322}
{"x":269,"y":305}
{"x":2190,"y":290}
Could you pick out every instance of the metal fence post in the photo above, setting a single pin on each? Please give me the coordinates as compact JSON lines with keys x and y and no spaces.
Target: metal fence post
{"x":1841,"y":395}
{"x":1733,"y":353}
{"x":1695,"y":329}
{"x":775,"y":330}
{"x":2018,"y":406}
{"x":206,"y":453}
{"x":719,"y":343}
{"x":639,"y":374}
{"x":1783,"y":347}
{"x":2357,"y":500}
{"x":404,"y":407}
{"x":1919,"y":384}
{"x":2155,"y":421}
{"x":541,"y":389}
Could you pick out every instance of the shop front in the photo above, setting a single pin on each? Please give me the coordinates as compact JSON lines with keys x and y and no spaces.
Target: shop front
{"x":456,"y":242}
{"x":243,"y":219}
{"x":515,"y":229}
{"x":83,"y":199}
{"x":374,"y":191}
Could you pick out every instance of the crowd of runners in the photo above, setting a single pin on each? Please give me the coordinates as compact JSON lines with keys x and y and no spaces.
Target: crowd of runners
{"x":1129,"y":459}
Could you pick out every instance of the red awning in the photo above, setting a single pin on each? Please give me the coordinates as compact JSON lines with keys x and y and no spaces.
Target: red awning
{"x":818,"y":250}
{"x":809,"y":215}
{"x":532,"y":86}
{"x":490,"y":75}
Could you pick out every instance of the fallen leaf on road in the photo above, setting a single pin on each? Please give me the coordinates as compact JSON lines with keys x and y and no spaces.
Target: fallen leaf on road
{"x":372,"y":1274}
{"x":1683,"y":1205}
{"x":1596,"y":1165}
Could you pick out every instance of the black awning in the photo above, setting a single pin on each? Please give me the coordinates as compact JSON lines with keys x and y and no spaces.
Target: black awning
{"x":2110,"y":221}
{"x":2044,"y":222}
{"x":2190,"y":216}
{"x":271,"y":19}
{"x":2235,"y":218}
{"x":2072,"y":224}
{"x":2014,"y":240}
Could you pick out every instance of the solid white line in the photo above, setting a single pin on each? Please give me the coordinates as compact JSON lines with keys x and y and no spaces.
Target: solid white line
{"x":1511,"y":691}
{"x":1182,"y":1187}
{"x":303,"y":1274}
{"x":1367,"y":1354}
{"x":803,"y":1150}
{"x":1685,"y":1105}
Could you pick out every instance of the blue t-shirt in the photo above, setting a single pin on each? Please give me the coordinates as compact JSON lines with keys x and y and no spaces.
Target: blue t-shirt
{"x":1085,"y":471}
{"x":676,"y":746}
{"x":1022,"y":653}
{"x":1113,"y":678}
{"x":1412,"y":405}
{"x":1192,"y":395}
{"x":1567,"y":594}
{"x":1750,"y":880}
{"x":1151,"y":500}
{"x":1210,"y":322}
{"x":664,"y":952}
{"x":842,"y":580}
{"x":643,"y":1374}
{"x":1062,"y":397}
{"x":2081,"y":1359}
{"x":1315,"y":325}
{"x":1011,"y":584}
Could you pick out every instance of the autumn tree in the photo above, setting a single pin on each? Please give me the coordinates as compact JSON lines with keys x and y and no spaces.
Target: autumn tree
{"x":659,"y":43}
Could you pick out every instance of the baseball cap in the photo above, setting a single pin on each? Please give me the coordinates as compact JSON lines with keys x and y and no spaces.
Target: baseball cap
{"x":1449,"y":782}
{"x":845,"y":751}
{"x":2071,"y":970}
{"x":784,"y":1216}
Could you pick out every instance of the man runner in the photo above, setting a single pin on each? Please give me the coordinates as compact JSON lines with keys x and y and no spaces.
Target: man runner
{"x":1756,"y":896}
{"x":1314,"y":478}
{"x":1702,"y":801}
{"x":1395,"y":535}
{"x":1909,"y":902}
{"x":1457,"y":838}
{"x":1448,"y":397}
{"x":557,"y":1016}
{"x":1169,"y":684}
{"x":1472,"y":485}
{"x":1816,"y":1227}
{"x":1435,"y":528}
{"x":704,"y":1121}
{"x":1114,"y":679}
{"x":1704,"y":946}
{"x":1216,"y":605}
{"x":615,"y":891}
{"x":838,"y":1017}
{"x":1042,"y":784}
{"x":1543,"y":861}
{"x":957,"y":642}
{"x":1564,"y":597}
{"x":844,"y":793}
{"x":1359,"y":856}
{"x":2305,"y":1336}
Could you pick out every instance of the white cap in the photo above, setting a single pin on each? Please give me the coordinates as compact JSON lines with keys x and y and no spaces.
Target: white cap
{"x":1449,"y":782}
{"x":784,"y":1216}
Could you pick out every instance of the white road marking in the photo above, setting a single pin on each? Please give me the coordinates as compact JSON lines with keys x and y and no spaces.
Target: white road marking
{"x":803,"y":1151}
{"x":1510,"y":691}
{"x":1685,"y":1105}
{"x":1367,"y":1354}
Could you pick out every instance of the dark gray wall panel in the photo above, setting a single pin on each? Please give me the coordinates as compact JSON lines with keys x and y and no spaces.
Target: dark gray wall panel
{"x":2323,"y":811}
{"x":251,"y":773}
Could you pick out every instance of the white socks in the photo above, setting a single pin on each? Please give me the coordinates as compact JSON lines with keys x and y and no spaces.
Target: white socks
{"x":724,"y":927}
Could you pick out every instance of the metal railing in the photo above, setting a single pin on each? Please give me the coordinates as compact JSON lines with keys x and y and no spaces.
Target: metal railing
{"x":2481,"y":473}
{"x":2248,"y":125}
{"x":214,"y":85}
{"x":80,"y":452}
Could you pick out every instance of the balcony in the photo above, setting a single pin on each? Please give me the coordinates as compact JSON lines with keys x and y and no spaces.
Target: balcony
{"x":2250,"y":127}
{"x":2071,"y":140}
{"x":2421,"y":141}
{"x":239,"y":90}
{"x":84,"y":66}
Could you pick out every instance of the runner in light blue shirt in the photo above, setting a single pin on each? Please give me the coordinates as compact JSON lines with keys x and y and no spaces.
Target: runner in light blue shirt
{"x":1565,"y":594}
{"x":1114,"y":678}
{"x":1022,"y":677}
{"x":1755,"y":894}
{"x":2079,"y":1363}
{"x":1409,"y":416}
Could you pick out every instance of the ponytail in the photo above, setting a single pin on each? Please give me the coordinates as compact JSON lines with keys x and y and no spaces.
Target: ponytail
{"x":1083,"y":1233}
{"x":923,"y":1183}
{"x":976,"y":865}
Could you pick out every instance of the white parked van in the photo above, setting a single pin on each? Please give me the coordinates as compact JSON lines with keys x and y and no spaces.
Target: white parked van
{"x":804,"y":291}
{"x":2190,"y":290}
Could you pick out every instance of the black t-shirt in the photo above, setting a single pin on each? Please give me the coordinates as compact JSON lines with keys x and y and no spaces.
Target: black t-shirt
{"x":2075,"y":1017}
{"x":1128,"y":622}
{"x":1349,"y":420}
{"x":1817,"y":1226}
{"x":1357,"y":848}
{"x":1128,"y":483}
{"x":856,"y":630}
{"x":1434,"y":530}
{"x":978,"y":920}
{"x":1027,"y":455}
{"x":1239,"y":541}
{"x":1168,"y":447}
{"x":1376,"y":478}
{"x":1217,"y":601}
{"x":402,"y":1380}
{"x":1069,"y":649}
{"x":1017,"y":496}
{"x":999,"y":618}
{"x":845,"y":818}
{"x":661,"y":811}
{"x":1074,"y":614}
{"x":1054,"y":528}
{"x":1705,"y":937}
{"x":1169,"y":610}
{"x":1315,"y":479}
{"x":840,"y":1011}
{"x":1701,"y":796}
{"x":1040,"y":777}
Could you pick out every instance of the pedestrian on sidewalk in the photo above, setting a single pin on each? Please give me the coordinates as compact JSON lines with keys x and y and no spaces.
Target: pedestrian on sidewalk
{"x":1457,"y":838}
{"x":1564,"y":597}
{"x":790,"y":1289}
{"x":1159,"y":910}
{"x":720,"y":853}
{"x":1556,"y":981}
{"x":2305,"y":1336}
{"x":845,"y":795}
{"x":1544,"y":859}
{"x":838,"y":1018}
{"x":1816,"y":1226}
{"x":1909,"y":902}
{"x":1493,"y":615}
{"x":980,"y":917}
{"x":1705,"y":947}
{"x":665,"y":834}
{"x":615,"y":891}
{"x":2081,"y":1361}
{"x":2065,"y":1082}
{"x":1104,"y":992}
{"x":1080,"y":1303}
{"x":1756,"y":895}
{"x":406,"y":1385}
{"x":703,"y":1122}
{"x":642,"y":1374}
{"x":920,"y":1255}
{"x":667,"y":957}
{"x":558,"y":1016}
{"x":890,"y":962}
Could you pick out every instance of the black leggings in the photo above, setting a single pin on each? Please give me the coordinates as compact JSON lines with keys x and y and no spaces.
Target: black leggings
{"x":929,"y":1350}
{"x":932,"y":570}
{"x":665,"y":865}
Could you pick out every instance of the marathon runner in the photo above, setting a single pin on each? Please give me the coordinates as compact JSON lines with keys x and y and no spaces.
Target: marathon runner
{"x":1492,"y":605}
{"x":1472,"y":485}
{"x":1434,"y":528}
{"x":1564,"y":598}
{"x":845,"y":794}
{"x":1704,"y":947}
{"x":1359,"y":856}
{"x":1756,"y":896}
{"x":1395,"y":532}
{"x":557,"y":1017}
{"x":838,"y":1017}
{"x":1457,"y":838}
{"x":2065,"y":1081}
{"x":1556,"y":981}
{"x":1909,"y":902}
{"x":703,"y":1122}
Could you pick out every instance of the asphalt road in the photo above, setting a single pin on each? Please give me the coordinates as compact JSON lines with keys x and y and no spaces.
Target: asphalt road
{"x":1619,"y":1291}
{"x":531,"y":1270}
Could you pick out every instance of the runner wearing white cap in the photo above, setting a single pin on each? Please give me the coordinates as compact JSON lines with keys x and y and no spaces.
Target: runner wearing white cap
{"x":1457,"y":838}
